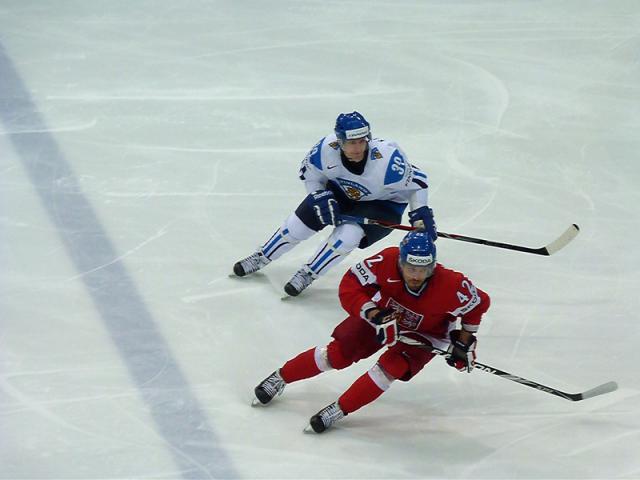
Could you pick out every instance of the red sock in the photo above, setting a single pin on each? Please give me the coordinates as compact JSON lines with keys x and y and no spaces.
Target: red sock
{"x":362,"y":392}
{"x":300,"y":367}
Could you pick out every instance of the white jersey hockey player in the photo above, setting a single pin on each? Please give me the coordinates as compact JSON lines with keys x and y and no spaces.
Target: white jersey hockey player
{"x":348,"y":173}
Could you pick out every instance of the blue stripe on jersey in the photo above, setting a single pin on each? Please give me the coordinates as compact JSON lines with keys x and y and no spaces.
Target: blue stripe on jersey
{"x":420,"y":182}
{"x":418,"y":173}
{"x":396,"y":168}
{"x":314,"y":155}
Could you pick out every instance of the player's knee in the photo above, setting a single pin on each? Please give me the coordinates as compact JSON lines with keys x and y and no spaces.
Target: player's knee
{"x":291,"y":233}
{"x":296,"y":229}
{"x":348,"y":235}
{"x":381,"y":377}
{"x":336,"y":357}
{"x":321,"y":357}
{"x":394,"y":365}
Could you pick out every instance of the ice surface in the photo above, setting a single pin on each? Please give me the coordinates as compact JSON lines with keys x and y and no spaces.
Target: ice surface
{"x":146,"y":146}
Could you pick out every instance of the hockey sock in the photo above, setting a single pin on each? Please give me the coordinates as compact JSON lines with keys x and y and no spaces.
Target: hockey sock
{"x":300,"y":367}
{"x":292,"y":232}
{"x":340,"y":243}
{"x":363,"y":391}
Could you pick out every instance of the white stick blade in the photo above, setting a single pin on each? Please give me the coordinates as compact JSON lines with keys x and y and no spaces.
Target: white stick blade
{"x":600,"y":389}
{"x":563,"y":239}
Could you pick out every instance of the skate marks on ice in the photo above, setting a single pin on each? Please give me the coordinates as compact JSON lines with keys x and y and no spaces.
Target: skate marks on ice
{"x":110,"y":286}
{"x":221,"y":287}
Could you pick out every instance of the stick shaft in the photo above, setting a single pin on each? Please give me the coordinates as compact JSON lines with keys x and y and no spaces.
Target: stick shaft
{"x":574,"y":397}
{"x":547,"y":250}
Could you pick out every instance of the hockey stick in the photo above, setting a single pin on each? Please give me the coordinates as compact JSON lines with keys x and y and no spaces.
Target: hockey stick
{"x":574,"y":397}
{"x":549,"y":249}
{"x":380,"y":223}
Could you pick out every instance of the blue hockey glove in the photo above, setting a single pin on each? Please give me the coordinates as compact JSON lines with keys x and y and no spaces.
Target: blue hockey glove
{"x":325,"y":206}
{"x":462,"y":355}
{"x":384,"y":321}
{"x":422,"y":218}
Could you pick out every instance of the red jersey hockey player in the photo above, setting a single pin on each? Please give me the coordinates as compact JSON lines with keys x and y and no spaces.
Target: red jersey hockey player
{"x":397,"y":290}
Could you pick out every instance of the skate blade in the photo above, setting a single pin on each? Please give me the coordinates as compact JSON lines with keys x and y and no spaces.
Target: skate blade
{"x":248,"y":275}
{"x":257,"y":403}
{"x":308,"y":429}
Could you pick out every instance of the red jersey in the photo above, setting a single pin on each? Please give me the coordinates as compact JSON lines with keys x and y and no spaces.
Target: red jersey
{"x":376,"y":282}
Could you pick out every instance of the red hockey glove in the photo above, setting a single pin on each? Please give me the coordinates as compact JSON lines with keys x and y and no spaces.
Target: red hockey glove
{"x":384,"y":321}
{"x":462,"y":354}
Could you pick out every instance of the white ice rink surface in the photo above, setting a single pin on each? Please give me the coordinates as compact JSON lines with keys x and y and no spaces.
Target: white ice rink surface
{"x":146,"y":146}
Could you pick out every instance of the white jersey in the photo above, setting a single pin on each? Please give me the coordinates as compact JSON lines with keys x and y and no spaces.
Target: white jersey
{"x":387,"y":174}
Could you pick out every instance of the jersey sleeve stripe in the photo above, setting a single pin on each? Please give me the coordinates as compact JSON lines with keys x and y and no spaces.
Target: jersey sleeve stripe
{"x":365,"y":307}
{"x":315,"y":158}
{"x":466,"y":308}
{"x":470,"y":327}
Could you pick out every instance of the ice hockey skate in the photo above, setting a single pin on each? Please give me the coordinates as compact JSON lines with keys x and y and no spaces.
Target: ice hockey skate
{"x":325,"y":418}
{"x":267,"y":389}
{"x":300,"y":280}
{"x":251,"y":264}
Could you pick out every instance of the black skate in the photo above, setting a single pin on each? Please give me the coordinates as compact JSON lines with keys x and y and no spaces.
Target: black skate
{"x":267,"y":389}
{"x":301,"y":280}
{"x":325,"y":418}
{"x":251,"y":264}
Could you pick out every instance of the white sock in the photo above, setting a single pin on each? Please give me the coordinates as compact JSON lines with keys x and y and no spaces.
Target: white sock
{"x":290,"y":234}
{"x":342,"y":241}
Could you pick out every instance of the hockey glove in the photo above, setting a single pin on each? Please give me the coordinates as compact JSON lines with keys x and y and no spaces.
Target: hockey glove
{"x":384,"y":321}
{"x":422,"y":218}
{"x":325,"y":206}
{"x":462,"y":355}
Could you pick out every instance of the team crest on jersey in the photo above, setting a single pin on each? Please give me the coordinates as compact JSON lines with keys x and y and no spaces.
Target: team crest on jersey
{"x":354,"y":190}
{"x":409,"y":320}
{"x":375,"y":153}
{"x":335,"y":145}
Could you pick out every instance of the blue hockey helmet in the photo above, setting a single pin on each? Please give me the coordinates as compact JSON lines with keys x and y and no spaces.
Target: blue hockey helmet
{"x":417,"y":249}
{"x":350,"y":126}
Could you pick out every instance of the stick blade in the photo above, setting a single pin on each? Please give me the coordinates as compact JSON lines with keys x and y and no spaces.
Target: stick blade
{"x":599,"y":390}
{"x":562,"y":241}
